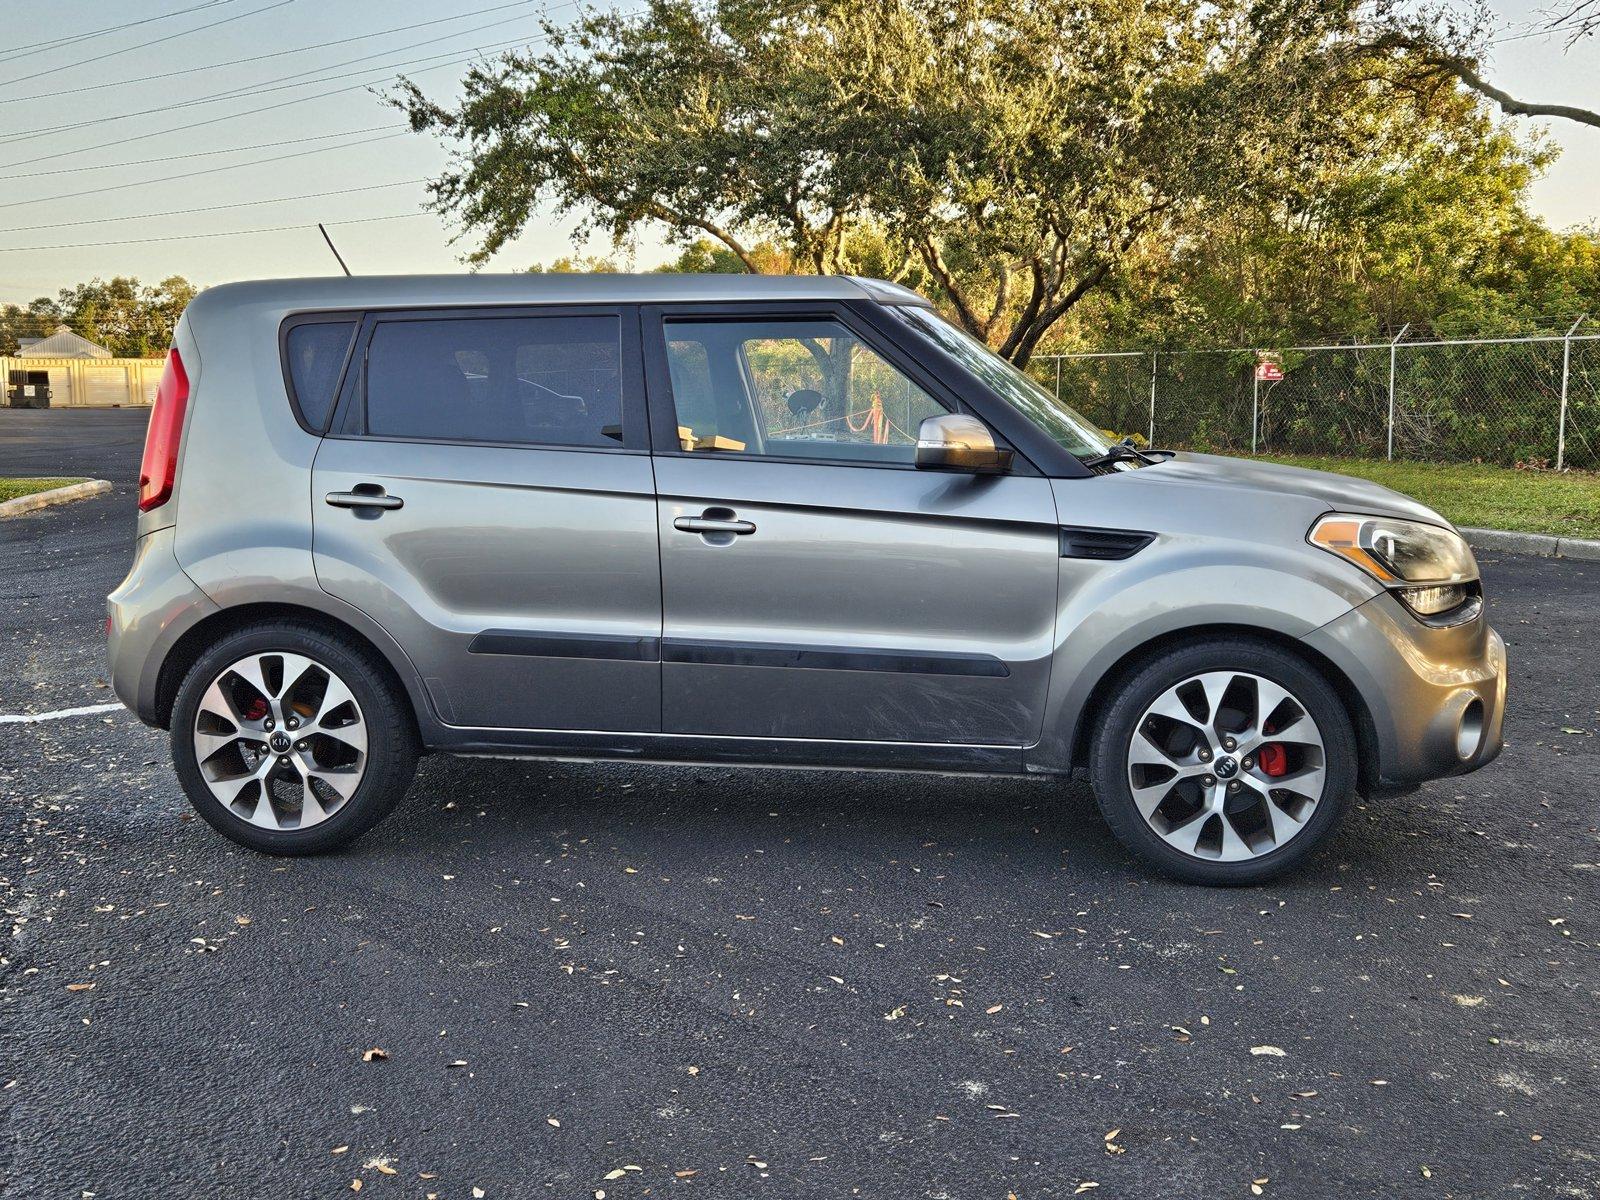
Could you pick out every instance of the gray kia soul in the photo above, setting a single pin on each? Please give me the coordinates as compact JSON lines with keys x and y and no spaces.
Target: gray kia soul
{"x":755,"y":520}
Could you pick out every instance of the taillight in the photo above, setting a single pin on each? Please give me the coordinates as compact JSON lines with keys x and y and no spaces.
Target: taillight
{"x":160,"y":464}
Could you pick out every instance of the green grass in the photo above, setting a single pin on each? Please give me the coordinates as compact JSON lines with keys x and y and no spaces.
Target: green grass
{"x":1565,"y":504}
{"x":10,"y":489}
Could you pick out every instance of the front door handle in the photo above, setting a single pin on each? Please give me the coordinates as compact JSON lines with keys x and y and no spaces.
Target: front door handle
{"x":365,"y":495}
{"x":712,"y":525}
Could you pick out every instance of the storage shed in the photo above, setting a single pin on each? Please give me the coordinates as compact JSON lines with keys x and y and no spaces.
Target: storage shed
{"x":66,"y":369}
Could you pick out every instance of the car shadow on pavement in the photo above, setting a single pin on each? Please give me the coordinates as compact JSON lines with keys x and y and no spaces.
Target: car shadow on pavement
{"x":1038,"y":827}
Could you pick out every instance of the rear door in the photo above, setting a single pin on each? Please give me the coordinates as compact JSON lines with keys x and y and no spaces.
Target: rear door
{"x":486,"y":495}
{"x":815,"y":584}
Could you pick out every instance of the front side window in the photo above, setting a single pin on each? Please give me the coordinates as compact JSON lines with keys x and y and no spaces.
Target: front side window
{"x":791,"y":389}
{"x":544,"y":381}
{"x":1063,"y":424}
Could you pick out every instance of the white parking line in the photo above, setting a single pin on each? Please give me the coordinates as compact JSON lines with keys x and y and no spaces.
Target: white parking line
{"x":35,"y":718}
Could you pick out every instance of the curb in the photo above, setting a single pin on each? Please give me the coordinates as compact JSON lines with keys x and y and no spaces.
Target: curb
{"x":1532,"y":543}
{"x":60,"y":495}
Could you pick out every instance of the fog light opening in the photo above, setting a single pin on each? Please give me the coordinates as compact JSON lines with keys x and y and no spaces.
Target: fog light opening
{"x":1469,"y":734}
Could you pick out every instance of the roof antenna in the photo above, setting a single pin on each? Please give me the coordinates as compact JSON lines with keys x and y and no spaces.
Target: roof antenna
{"x":332,"y":247}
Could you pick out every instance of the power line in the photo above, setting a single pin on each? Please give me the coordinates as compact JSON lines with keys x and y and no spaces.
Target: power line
{"x":189,"y":237}
{"x":187,"y":175}
{"x":83,"y":62}
{"x":145,"y":162}
{"x":361,"y":37}
{"x":249,"y":112}
{"x":73,"y":39}
{"x":239,"y":94}
{"x":279,"y":83}
{"x":184,"y":212}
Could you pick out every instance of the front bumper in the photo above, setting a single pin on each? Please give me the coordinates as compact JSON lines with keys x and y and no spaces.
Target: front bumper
{"x":147,"y":613}
{"x":1436,"y":697}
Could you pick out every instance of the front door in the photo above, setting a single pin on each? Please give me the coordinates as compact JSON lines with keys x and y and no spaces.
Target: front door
{"x":815,"y":584}
{"x":486,"y":496}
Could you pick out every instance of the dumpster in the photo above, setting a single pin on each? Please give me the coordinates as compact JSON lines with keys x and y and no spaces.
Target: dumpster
{"x":29,"y":389}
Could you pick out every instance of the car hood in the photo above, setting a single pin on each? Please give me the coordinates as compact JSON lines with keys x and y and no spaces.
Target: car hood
{"x":1334,"y":492}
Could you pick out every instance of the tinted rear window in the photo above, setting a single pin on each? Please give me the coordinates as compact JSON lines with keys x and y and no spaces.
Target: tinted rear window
{"x":316,"y":353}
{"x":553,"y":381}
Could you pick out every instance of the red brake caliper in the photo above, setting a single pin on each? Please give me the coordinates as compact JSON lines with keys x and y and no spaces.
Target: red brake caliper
{"x":1274,"y":759}
{"x":255,"y":710}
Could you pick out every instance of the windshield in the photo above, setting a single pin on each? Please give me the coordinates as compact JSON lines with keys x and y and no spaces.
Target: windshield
{"x":1066,"y":427}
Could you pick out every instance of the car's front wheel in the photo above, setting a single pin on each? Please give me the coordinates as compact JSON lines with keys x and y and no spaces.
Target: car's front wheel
{"x":1224,"y":762}
{"x":289,"y":741}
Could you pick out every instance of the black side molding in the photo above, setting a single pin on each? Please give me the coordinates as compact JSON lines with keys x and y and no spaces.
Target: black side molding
{"x":566,"y":645}
{"x":830,"y":658}
{"x":1107,"y":544}
{"x":734,"y":654}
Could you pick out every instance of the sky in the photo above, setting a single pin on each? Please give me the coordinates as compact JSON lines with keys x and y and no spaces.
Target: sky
{"x":290,"y":133}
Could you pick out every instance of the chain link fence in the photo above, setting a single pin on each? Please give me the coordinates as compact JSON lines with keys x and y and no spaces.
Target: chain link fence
{"x":1532,"y":400}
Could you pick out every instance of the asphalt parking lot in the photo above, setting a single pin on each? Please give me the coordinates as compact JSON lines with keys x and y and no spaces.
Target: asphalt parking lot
{"x":703,"y":981}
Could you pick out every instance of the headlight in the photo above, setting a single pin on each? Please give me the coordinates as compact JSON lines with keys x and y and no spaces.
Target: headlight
{"x":1435,"y":599}
{"x":1430,"y":568}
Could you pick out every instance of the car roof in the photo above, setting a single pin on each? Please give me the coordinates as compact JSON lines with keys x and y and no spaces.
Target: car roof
{"x":443,"y":291}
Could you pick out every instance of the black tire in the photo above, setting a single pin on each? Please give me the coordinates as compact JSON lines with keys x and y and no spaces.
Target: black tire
{"x":391,"y":755}
{"x":1108,"y":761}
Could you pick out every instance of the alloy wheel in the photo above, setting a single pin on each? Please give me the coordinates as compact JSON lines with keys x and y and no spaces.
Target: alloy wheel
{"x":1226,"y":766}
{"x":280,"y":740}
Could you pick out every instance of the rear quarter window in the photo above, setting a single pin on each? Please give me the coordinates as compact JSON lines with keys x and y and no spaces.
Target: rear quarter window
{"x":314,"y":358}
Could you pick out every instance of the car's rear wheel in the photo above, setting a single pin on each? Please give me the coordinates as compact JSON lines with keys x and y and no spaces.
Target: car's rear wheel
{"x":1224,"y":762}
{"x":290,"y":741}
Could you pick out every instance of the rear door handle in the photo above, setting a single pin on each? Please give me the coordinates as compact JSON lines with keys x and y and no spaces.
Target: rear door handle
{"x":365,"y":495}
{"x":712,"y":525}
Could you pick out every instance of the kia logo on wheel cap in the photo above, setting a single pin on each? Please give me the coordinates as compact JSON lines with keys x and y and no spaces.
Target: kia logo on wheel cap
{"x":280,"y":743}
{"x":1227,"y":767}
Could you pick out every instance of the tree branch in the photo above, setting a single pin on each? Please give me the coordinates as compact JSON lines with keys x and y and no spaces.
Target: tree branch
{"x":1463,"y":71}
{"x":671,"y":216}
{"x":1038,"y":288}
{"x":1002,"y":293}
{"x":947,"y":281}
{"x":1466,"y":71}
{"x":1050,"y":315}
{"x":661,"y":212}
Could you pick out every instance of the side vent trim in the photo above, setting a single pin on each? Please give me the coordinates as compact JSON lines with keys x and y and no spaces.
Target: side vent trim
{"x":1106,"y":545}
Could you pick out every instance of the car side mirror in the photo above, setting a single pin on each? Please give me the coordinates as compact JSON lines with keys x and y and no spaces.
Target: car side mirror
{"x":958,"y":442}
